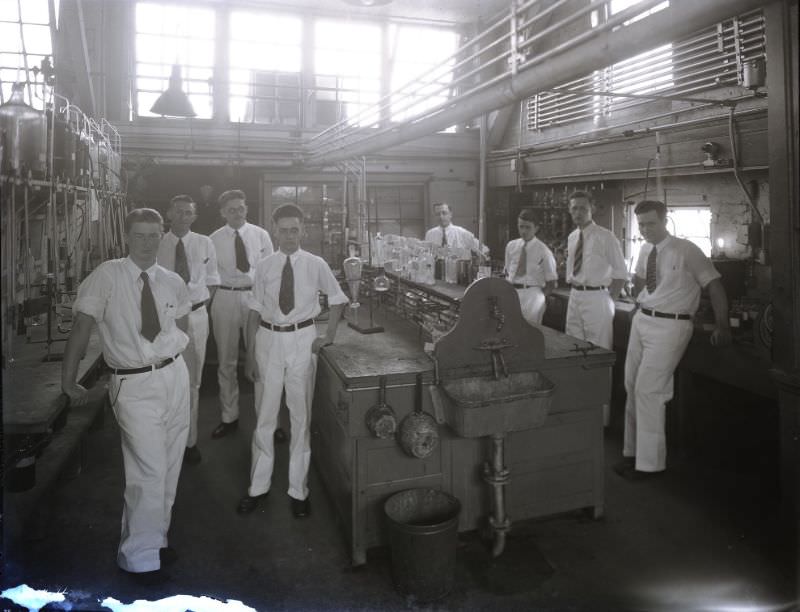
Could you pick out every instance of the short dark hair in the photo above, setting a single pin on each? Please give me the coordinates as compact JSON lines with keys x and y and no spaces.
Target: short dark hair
{"x":579,"y":194}
{"x":288,"y":211}
{"x":449,"y":208}
{"x":646,"y":206}
{"x":527,"y":214}
{"x":230,"y":194}
{"x":143,"y":215}
{"x":181,"y":198}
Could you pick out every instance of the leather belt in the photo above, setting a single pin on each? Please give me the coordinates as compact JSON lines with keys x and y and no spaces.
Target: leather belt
{"x":523,"y":286}
{"x":287,"y":328}
{"x":198,"y":306}
{"x":226,"y":288}
{"x":665,"y":315}
{"x":587,"y":287}
{"x":143,"y":369}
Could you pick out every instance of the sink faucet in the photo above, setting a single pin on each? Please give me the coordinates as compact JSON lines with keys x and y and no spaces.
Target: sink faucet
{"x":496,"y":313}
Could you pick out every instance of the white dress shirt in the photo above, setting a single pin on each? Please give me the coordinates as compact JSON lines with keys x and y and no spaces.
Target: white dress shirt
{"x":112,"y":295}
{"x":602,"y":257}
{"x":311,"y":274}
{"x":457,"y":237}
{"x":540,"y":267}
{"x":256,"y":241}
{"x":682,"y":270}
{"x":201,"y":257}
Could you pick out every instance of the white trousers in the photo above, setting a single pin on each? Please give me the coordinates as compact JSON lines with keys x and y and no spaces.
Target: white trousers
{"x":654,"y":349}
{"x":284,"y":360}
{"x":229,"y":314}
{"x":532,"y":303}
{"x":590,"y":317}
{"x":152,"y":410}
{"x":195,"y":356}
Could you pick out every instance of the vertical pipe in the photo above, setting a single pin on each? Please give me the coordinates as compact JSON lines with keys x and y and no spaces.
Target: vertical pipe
{"x":67,"y":234}
{"x":659,"y":175}
{"x":27,"y":253}
{"x":484,"y":139}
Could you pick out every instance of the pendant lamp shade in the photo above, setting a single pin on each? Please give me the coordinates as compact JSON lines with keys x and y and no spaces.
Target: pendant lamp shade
{"x":174,"y":102}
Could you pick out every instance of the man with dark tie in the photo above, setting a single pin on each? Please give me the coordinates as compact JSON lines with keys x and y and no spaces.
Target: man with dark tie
{"x":140,"y":309}
{"x":447,"y":234}
{"x":596,"y":273}
{"x":282,"y":353}
{"x":670,"y":274}
{"x":531,"y":268}
{"x":192,"y":257}
{"x":239,"y":246}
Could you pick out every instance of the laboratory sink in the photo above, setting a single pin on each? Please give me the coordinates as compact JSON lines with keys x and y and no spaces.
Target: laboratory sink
{"x":481,"y":406}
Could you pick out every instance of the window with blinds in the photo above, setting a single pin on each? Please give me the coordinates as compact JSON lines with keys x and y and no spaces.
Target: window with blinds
{"x":706,"y":60}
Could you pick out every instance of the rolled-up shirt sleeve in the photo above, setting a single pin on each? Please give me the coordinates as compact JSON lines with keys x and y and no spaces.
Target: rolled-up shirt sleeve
{"x":252,"y":297}
{"x":699,"y":265}
{"x":212,"y":273}
{"x":328,"y":284}
{"x":619,"y":270}
{"x":94,"y":293}
{"x":549,"y":266}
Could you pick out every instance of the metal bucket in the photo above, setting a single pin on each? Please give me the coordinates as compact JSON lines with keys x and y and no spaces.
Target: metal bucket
{"x":423,"y":535}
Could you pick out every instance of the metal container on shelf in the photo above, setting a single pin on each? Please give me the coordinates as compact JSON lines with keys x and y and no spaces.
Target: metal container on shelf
{"x":65,"y":141}
{"x":23,"y":130}
{"x":83,"y":144}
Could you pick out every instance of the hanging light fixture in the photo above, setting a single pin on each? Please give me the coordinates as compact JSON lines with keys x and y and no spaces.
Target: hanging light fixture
{"x":174,"y":102}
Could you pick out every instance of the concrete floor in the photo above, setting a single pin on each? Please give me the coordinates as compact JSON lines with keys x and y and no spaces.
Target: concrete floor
{"x":705,"y":536}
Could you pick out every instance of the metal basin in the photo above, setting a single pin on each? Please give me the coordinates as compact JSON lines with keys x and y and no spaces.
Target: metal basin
{"x":476,"y":407}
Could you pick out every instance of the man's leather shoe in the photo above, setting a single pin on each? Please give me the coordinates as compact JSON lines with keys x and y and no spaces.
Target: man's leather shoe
{"x":223,"y":429}
{"x":300,"y":507}
{"x":247,"y":504}
{"x":280,"y":435}
{"x":627,"y":463}
{"x":148,"y":579}
{"x":192,"y":456}
{"x":167,"y":555}
{"x":629,"y":472}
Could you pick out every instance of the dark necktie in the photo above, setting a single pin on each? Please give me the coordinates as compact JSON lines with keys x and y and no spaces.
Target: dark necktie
{"x":651,"y":271}
{"x":286,"y":295}
{"x":577,"y":262}
{"x":444,"y":237}
{"x":522,"y":263}
{"x":150,"y":324}
{"x":181,"y":263}
{"x":241,"y":253}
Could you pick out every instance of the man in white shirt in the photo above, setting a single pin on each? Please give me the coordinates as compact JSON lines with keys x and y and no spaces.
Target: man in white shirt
{"x":192,"y":257}
{"x":670,"y":274}
{"x":531,"y":268}
{"x":449,"y":235}
{"x":282,"y":353}
{"x":239,"y":246}
{"x":596,"y":272}
{"x":140,"y":310}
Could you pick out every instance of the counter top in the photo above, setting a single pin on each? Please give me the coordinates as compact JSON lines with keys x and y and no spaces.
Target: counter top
{"x":398,"y":352}
{"x":32,"y":398}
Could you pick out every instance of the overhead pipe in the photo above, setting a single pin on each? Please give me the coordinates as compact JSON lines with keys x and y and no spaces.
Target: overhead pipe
{"x":680,"y":19}
{"x":342,"y":130}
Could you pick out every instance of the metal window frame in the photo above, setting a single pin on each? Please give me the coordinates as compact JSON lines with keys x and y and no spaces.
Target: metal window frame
{"x":707,"y":60}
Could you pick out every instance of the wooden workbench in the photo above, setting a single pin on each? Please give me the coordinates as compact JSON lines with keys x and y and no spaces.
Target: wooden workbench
{"x":32,"y":398}
{"x":555,"y":468}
